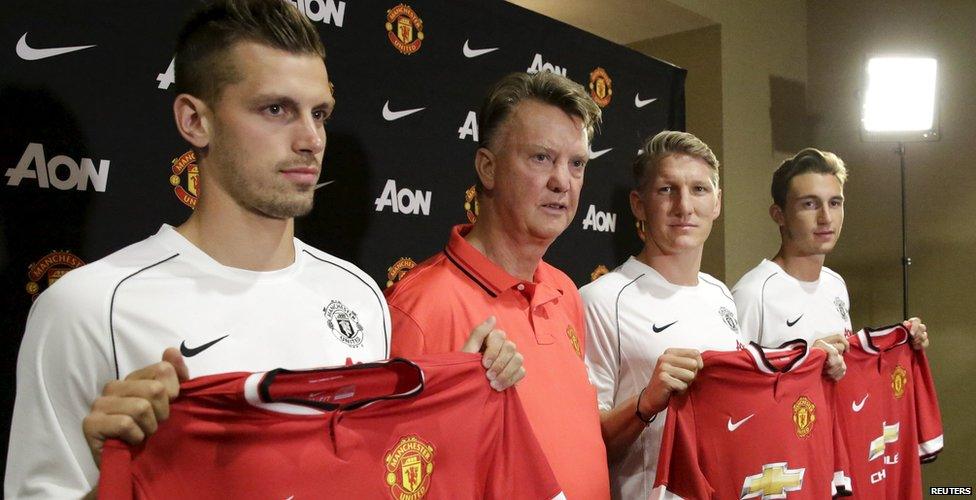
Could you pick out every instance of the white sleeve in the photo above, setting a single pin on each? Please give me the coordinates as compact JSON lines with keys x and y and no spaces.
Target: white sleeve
{"x":748,"y":305}
{"x":602,"y":360}
{"x":64,"y":359}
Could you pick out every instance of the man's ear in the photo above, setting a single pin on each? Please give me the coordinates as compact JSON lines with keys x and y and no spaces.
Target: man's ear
{"x":777,"y":215}
{"x":485,"y":165}
{"x":193,"y":120}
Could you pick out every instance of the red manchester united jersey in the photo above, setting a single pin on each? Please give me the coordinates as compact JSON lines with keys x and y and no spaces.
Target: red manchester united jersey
{"x":431,"y":428}
{"x":755,"y":423}
{"x":889,"y":414}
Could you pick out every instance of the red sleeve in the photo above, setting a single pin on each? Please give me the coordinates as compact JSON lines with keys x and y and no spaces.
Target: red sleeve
{"x":518,"y":467}
{"x":678,"y":468}
{"x":407,"y":338}
{"x":842,"y":468}
{"x":929,"y":418}
{"x":115,"y":478}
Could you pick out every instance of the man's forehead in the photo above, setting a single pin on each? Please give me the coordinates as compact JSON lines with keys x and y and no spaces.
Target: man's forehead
{"x":815,"y":184}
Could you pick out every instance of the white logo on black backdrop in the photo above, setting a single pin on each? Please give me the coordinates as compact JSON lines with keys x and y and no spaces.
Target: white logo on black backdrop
{"x":325,"y":11}
{"x":62,"y":172}
{"x":604,"y":222}
{"x":403,"y":201}
{"x":596,"y":154}
{"x":28,"y":53}
{"x":390,"y":115}
{"x":469,"y":52}
{"x":640,"y":103}
{"x":470,"y":127}
{"x":167,"y":77}
{"x":538,"y":65}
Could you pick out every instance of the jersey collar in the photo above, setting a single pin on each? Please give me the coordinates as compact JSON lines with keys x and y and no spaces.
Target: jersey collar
{"x":886,"y":338}
{"x":288,"y":391}
{"x":490,"y":276}
{"x":796,"y":349}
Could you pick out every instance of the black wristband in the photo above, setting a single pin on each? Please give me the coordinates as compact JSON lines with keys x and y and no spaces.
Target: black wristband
{"x":647,"y":421}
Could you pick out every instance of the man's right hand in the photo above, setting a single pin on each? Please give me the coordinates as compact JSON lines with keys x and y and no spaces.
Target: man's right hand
{"x":834,"y":346}
{"x":674,"y":372}
{"x":131,"y":409}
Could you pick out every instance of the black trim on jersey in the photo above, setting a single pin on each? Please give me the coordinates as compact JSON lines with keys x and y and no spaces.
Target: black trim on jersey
{"x":896,"y":326}
{"x":111,"y":309}
{"x":762,"y":306}
{"x":927,"y":459}
{"x":386,"y":331}
{"x":469,"y":275}
{"x":264,"y":387}
{"x":788,"y":344}
{"x":616,"y":319}
{"x":721,"y":289}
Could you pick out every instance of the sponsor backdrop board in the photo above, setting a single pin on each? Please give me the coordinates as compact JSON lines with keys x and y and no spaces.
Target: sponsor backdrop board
{"x":91,"y":160}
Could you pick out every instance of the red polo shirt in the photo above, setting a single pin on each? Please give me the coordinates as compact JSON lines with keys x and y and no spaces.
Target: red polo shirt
{"x":437,"y":304}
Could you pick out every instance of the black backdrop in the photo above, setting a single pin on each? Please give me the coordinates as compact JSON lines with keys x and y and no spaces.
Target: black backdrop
{"x":92,"y":161}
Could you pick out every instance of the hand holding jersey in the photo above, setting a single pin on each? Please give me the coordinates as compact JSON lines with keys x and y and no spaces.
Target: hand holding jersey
{"x":834,"y":346}
{"x":673,"y":373}
{"x":918,"y":331}
{"x":499,"y":355}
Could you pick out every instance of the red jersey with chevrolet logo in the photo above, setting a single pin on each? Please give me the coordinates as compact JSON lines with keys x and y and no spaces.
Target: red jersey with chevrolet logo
{"x":755,"y":423}
{"x":889,"y":414}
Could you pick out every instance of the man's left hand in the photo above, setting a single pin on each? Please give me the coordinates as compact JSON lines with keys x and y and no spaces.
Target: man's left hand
{"x":918,"y":331}
{"x":499,"y":355}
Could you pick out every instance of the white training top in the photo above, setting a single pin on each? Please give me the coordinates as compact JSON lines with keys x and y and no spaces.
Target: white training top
{"x":775,"y":307}
{"x":102,"y":321}
{"x":632,"y":315}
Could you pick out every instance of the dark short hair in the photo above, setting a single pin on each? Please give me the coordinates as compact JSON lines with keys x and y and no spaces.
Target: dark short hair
{"x":202,"y":66}
{"x":668,"y":143}
{"x":546,"y":87}
{"x":806,"y":161}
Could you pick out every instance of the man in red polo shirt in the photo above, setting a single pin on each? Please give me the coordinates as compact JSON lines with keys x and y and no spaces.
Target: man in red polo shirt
{"x":535,"y":134}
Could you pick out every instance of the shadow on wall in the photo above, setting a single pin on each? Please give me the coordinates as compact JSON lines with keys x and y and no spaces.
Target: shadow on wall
{"x":792,"y":124}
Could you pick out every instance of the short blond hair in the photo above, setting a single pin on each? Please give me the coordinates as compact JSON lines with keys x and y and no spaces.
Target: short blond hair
{"x":667,"y":143}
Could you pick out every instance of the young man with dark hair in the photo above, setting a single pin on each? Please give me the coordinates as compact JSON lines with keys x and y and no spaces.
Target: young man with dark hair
{"x":793,"y":295}
{"x":231,"y":287}
{"x":536,"y":131}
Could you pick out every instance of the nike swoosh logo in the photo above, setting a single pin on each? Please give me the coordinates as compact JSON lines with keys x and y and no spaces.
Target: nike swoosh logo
{"x":640,"y":103}
{"x":596,"y":154}
{"x":28,"y":53}
{"x":733,"y":427}
{"x":193,"y":351}
{"x":857,"y":406}
{"x":323,"y":184}
{"x":661,"y":329}
{"x":791,"y":323}
{"x":396,"y":115}
{"x":469,"y":52}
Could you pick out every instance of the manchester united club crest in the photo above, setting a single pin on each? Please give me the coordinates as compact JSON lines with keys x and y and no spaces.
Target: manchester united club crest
{"x":404,"y":28}
{"x":899,"y":379}
{"x":398,"y":270}
{"x":600,"y":87}
{"x":574,"y":340}
{"x":600,"y":270}
{"x":729,"y":318}
{"x":48,"y":269}
{"x":841,"y":307}
{"x":409,"y":466}
{"x":187,"y":190}
{"x":471,"y":204}
{"x":804,"y":415}
{"x":344,"y":323}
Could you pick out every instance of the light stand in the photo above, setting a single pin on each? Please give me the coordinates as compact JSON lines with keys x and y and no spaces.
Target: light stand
{"x":899,"y":106}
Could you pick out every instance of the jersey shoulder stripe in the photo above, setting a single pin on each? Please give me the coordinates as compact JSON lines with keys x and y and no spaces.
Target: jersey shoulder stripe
{"x":709,"y":279}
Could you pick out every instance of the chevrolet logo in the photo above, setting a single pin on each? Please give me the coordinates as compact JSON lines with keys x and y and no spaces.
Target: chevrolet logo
{"x":774,"y":482}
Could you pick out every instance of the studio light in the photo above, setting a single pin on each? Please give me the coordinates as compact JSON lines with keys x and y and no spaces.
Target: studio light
{"x":900,"y":105}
